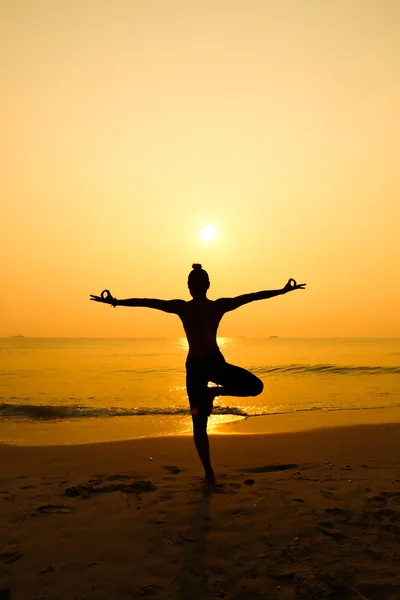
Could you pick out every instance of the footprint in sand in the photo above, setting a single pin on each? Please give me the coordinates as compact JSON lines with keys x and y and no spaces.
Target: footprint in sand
{"x":49,"y":509}
{"x":337,"y":511}
{"x":327,"y":494}
{"x":157,"y":522}
{"x":166,"y":497}
{"x":386,"y":496}
{"x":239,"y":512}
{"x":113,"y":478}
{"x":172,"y":469}
{"x":325,"y":524}
{"x":337,"y":536}
{"x":147,"y":591}
{"x":46,"y":572}
{"x":86,"y":491}
{"x":9,"y":557}
{"x":271,"y":468}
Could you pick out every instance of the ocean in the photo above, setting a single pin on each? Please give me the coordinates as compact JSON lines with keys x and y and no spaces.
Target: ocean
{"x":66,"y":391}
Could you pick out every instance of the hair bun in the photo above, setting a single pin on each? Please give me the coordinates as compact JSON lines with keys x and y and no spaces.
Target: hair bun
{"x":196,"y":266}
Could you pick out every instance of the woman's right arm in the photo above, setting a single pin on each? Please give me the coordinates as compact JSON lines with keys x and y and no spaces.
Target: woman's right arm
{"x":170,"y":306}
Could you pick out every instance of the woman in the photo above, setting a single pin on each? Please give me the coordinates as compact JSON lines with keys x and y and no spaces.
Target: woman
{"x":201,"y":317}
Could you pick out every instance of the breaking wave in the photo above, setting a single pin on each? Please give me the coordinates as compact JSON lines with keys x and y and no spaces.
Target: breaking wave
{"x":76,"y":411}
{"x":38,"y":412}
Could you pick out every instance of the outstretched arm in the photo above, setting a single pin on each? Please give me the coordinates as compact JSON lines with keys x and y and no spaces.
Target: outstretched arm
{"x":170,"y":306}
{"x":228,"y":304}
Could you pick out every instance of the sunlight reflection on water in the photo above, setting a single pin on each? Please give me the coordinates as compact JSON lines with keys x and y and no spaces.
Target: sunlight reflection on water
{"x":223,"y":343}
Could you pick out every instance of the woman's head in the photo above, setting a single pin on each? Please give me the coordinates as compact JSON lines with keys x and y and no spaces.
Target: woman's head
{"x":198,"y":281}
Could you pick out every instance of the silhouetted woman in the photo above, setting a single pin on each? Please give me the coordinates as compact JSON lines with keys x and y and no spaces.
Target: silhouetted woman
{"x":205,"y":363}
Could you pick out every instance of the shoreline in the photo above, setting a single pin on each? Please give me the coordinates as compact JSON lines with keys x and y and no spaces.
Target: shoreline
{"x":310,"y":420}
{"x":158,"y":448}
{"x":114,"y":429}
{"x":307,"y":514}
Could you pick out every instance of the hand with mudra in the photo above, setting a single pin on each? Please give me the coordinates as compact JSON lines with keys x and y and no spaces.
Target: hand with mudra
{"x":105,"y":297}
{"x":293,"y":285}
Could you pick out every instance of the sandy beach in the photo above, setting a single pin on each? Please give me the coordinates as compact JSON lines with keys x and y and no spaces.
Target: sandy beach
{"x":308,"y":515}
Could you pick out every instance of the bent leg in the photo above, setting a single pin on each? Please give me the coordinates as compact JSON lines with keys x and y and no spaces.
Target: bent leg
{"x":235,"y":381}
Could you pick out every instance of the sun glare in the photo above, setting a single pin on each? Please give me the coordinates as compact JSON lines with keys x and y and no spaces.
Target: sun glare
{"x":208,"y":233}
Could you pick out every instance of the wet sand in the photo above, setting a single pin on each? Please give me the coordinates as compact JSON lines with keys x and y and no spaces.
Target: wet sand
{"x":306,"y":515}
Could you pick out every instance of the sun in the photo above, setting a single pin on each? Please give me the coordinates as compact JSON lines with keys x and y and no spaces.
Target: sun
{"x":208,"y":233}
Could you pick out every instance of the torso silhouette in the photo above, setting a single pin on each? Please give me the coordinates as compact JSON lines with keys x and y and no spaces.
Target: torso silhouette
{"x":200,"y":319}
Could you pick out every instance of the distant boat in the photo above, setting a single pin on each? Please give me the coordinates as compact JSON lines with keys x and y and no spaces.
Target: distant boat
{"x":271,"y":337}
{"x":16,"y":336}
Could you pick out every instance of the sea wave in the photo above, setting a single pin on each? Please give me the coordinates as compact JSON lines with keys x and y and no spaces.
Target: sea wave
{"x":40,"y":412}
{"x":76,"y":411}
{"x":326,"y":369}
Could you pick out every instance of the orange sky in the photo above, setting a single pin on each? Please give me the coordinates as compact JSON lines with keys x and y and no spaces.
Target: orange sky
{"x":127,"y":126}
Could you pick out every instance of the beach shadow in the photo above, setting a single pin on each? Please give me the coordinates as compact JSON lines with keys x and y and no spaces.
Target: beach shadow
{"x":192,"y":584}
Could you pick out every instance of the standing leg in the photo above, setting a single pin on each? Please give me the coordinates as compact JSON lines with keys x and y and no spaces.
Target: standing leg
{"x":202,"y":444}
{"x":198,"y":399}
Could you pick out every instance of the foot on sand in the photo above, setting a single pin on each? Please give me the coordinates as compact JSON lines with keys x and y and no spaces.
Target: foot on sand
{"x":209,"y":477}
